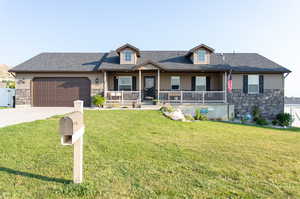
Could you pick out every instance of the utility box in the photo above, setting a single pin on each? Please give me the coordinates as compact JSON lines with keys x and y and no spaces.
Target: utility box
{"x":71,"y":128}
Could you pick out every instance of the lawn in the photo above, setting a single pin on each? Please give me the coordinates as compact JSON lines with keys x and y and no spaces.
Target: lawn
{"x":141,"y":154}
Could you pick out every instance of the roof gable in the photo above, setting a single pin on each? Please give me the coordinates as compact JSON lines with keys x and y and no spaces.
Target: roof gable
{"x":147,"y":65}
{"x":209,"y":49}
{"x":135,"y":49}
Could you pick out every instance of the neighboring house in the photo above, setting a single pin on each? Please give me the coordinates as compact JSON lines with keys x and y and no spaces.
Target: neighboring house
{"x":292,"y":101}
{"x":197,"y":76}
{"x":5,"y":75}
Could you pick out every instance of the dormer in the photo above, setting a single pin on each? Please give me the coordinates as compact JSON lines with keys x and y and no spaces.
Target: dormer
{"x":200,"y":54}
{"x":128,"y":54}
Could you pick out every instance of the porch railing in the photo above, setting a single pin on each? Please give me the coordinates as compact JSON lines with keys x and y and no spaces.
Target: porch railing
{"x":192,"y":96}
{"x":168,"y":96}
{"x":122,"y":96}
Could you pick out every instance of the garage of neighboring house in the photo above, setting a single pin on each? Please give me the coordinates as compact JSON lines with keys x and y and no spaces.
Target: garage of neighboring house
{"x":60,"y":91}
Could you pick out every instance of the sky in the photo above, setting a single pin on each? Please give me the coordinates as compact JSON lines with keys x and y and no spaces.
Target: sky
{"x":268,"y":27}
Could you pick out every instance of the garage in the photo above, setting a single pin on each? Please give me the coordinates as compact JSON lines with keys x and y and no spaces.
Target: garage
{"x":60,"y":91}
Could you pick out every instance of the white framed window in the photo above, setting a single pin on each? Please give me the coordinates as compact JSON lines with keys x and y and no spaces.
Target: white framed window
{"x":253,"y":84}
{"x":125,"y":83}
{"x":200,"y":83}
{"x":201,"y":55}
{"x":127,"y":55}
{"x":175,"y":82}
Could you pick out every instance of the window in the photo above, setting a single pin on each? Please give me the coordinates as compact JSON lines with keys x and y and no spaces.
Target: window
{"x":127,"y":55}
{"x":201,"y":55}
{"x":175,"y":82}
{"x":200,"y":83}
{"x":253,"y":84}
{"x":125,"y":83}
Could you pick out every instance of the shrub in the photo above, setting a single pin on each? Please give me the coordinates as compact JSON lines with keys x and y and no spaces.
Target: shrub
{"x":189,"y":117}
{"x":261,"y":121}
{"x":275,"y":122}
{"x":257,"y":117}
{"x":199,"y":116}
{"x":98,"y":100}
{"x":284,"y":119}
{"x":10,"y":84}
{"x":256,"y":113}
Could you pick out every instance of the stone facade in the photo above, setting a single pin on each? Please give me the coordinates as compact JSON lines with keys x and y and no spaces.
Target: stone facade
{"x":271,"y":102}
{"x":23,"y":97}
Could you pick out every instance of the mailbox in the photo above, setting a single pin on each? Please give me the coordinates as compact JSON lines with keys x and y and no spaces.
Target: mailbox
{"x":71,"y":128}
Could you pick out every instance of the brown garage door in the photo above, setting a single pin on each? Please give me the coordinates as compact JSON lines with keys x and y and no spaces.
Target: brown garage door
{"x":60,"y":91}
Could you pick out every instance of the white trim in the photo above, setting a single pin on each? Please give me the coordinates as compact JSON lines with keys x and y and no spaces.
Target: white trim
{"x":179,"y":85}
{"x":125,"y":84}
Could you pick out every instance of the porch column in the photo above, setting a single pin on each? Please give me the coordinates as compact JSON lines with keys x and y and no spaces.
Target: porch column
{"x":158,"y":83}
{"x":105,"y":84}
{"x":225,"y":87}
{"x":140,"y":85}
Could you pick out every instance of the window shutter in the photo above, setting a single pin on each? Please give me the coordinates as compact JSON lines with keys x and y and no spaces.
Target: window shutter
{"x":115,"y":83}
{"x":207,"y":83}
{"x":193,"y":83}
{"x":261,"y":84}
{"x":134,"y":83}
{"x":245,"y":83}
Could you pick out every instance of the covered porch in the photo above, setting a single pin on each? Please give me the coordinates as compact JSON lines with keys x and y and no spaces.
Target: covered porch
{"x":149,"y":82}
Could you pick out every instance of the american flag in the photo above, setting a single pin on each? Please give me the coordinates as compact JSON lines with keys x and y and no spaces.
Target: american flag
{"x":229,"y":82}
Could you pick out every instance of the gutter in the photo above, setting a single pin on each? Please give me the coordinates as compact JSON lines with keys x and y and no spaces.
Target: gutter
{"x":285,"y":76}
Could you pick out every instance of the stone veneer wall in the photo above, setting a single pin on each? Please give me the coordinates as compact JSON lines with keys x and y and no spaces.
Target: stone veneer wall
{"x":23,"y":97}
{"x":271,"y":102}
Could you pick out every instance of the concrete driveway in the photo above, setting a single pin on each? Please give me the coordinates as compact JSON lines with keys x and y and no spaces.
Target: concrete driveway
{"x":20,"y":115}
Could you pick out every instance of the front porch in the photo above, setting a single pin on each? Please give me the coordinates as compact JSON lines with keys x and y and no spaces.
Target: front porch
{"x":203,"y":97}
{"x":149,"y":82}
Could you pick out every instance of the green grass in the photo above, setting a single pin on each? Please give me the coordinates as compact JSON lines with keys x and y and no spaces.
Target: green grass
{"x":141,"y":154}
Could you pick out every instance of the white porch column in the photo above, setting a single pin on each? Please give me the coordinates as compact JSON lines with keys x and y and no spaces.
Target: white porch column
{"x":225,"y":87}
{"x":140,"y":85}
{"x":158,"y":83}
{"x":105,"y":84}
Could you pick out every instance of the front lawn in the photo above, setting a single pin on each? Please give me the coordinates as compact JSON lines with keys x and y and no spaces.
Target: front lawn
{"x":141,"y":154}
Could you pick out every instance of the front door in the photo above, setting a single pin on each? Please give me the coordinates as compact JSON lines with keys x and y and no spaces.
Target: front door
{"x":149,"y":87}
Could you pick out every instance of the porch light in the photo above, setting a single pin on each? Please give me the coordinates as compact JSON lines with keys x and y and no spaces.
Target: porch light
{"x":97,"y":80}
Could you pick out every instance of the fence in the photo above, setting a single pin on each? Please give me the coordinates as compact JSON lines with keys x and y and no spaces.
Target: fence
{"x":7,"y":96}
{"x":294,"y":110}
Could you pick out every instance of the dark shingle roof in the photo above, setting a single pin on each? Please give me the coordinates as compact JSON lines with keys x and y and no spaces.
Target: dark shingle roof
{"x":73,"y":62}
{"x":167,"y":60}
{"x":177,"y":61}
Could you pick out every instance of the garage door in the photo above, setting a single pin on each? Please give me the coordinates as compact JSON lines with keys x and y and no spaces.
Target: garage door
{"x":60,"y":91}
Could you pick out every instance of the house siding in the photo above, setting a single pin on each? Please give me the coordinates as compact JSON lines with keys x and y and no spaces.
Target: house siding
{"x":270,"y":102}
{"x":165,"y":79}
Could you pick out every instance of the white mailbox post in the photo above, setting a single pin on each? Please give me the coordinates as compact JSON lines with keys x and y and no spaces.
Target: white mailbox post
{"x":71,"y":129}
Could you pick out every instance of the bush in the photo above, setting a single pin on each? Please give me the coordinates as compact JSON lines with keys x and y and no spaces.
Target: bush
{"x":261,"y":121}
{"x":256,"y":113}
{"x":199,"y":116}
{"x":10,"y":84}
{"x":257,"y":117}
{"x":98,"y":100}
{"x":275,"y":122}
{"x":189,"y":117}
{"x":284,"y":119}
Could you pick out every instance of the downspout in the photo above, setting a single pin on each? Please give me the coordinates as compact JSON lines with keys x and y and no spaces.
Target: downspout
{"x":284,"y":77}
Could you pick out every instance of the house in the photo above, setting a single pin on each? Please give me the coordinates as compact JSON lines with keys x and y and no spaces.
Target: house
{"x":127,"y":74}
{"x":292,"y":100}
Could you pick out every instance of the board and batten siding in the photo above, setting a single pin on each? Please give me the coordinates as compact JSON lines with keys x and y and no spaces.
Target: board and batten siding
{"x":271,"y":81}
